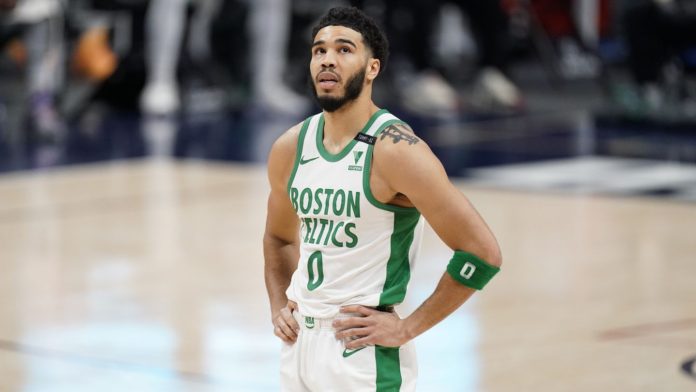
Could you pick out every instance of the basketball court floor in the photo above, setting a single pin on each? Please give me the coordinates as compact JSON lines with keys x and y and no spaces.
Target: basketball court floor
{"x":131,"y":259}
{"x":146,"y":275}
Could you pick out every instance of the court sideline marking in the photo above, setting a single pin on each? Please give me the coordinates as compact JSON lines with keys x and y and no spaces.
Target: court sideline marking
{"x":688,"y":366}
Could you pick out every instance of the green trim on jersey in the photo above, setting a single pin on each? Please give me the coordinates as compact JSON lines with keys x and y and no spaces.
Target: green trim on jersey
{"x":405,"y":221}
{"x":298,"y":153}
{"x":337,"y":157}
{"x":398,"y":266}
{"x":388,"y":369}
{"x":368,"y":169}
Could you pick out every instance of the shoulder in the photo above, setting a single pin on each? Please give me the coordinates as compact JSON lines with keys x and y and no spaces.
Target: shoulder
{"x":398,"y":144}
{"x":399,"y":132}
{"x":282,"y":154}
{"x":402,"y":158}
{"x":286,"y":144}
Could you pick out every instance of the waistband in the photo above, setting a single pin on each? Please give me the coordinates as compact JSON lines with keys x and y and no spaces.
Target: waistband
{"x":308,"y":322}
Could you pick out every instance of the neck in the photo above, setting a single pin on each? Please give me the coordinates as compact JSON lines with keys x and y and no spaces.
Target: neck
{"x":341,"y":126}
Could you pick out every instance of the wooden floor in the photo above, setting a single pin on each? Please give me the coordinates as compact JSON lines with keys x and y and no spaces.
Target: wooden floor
{"x":147,"y":276}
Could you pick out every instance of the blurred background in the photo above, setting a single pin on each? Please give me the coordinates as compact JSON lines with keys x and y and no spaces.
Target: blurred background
{"x":486,"y":83}
{"x":133,"y":137}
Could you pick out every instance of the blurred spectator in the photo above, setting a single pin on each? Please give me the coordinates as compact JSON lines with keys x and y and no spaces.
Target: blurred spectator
{"x":412,"y":26}
{"x":574,"y":27}
{"x":164,"y":31}
{"x":657,"y":33}
{"x":268,"y":27}
{"x":41,"y":23}
{"x":7,"y":5}
{"x":92,"y":55}
{"x":269,"y":31}
{"x":490,"y":27}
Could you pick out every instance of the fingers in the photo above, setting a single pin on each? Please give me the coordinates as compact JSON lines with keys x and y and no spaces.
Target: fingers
{"x":280,"y":332}
{"x":286,"y":330}
{"x":292,"y":305}
{"x":365,"y":311}
{"x":351,"y":322}
{"x":357,"y":343}
{"x":353,"y":327}
{"x":353,"y":333}
{"x":285,"y":326}
{"x":369,"y":327}
{"x":286,"y":314}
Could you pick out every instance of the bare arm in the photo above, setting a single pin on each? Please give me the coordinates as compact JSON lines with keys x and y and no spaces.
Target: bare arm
{"x":409,"y":170}
{"x":281,"y":237}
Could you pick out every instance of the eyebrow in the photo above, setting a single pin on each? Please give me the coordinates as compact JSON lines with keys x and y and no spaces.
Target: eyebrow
{"x":346,"y":41}
{"x":338,"y":40}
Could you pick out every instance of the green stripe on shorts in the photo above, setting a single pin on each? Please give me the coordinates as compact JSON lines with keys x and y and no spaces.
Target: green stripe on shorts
{"x":388,"y":369}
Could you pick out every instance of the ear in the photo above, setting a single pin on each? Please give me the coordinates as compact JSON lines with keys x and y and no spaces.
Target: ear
{"x":373,"y":68}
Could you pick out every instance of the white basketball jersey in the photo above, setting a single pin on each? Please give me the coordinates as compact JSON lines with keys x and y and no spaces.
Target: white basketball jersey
{"x":354,"y":249}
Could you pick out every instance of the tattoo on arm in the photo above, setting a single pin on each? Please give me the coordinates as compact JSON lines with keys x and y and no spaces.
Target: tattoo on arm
{"x":399,"y":132}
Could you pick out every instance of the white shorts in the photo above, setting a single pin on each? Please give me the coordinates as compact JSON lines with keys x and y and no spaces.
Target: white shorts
{"x":318,"y":362}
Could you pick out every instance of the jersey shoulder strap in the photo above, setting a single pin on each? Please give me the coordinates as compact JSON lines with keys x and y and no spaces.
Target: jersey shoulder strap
{"x":309,"y":127}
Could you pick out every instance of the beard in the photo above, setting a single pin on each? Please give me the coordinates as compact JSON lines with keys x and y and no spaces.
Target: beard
{"x":353,"y":89}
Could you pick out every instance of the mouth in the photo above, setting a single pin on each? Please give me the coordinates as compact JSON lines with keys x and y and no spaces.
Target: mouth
{"x":327,"y":80}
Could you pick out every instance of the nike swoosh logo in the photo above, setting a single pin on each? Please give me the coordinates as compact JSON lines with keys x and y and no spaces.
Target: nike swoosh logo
{"x":347,"y":353}
{"x":303,"y":161}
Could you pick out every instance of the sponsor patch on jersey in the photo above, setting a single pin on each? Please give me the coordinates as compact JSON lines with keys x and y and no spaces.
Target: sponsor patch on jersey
{"x":356,"y":157}
{"x":362,"y":137}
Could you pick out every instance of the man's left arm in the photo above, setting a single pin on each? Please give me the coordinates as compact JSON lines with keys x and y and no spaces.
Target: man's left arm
{"x":411,"y":169}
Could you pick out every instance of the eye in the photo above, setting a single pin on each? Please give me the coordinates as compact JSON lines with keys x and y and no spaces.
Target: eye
{"x":319,"y":51}
{"x":345,"y":49}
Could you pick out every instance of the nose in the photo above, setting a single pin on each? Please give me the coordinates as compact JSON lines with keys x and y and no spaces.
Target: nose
{"x":328,"y":60}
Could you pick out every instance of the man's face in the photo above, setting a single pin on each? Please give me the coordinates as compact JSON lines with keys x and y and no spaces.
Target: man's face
{"x":338,"y":66}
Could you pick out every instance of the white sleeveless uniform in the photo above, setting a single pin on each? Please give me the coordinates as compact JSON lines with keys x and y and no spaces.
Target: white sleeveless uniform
{"x":354,"y":250}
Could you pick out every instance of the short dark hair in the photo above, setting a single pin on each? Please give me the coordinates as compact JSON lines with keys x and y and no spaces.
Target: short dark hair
{"x":357,"y":20}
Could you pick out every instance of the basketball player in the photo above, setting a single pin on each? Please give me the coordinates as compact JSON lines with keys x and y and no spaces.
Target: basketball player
{"x":348,"y":187}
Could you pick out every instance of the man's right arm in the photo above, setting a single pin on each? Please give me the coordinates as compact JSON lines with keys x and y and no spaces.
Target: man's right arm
{"x":281,"y":237}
